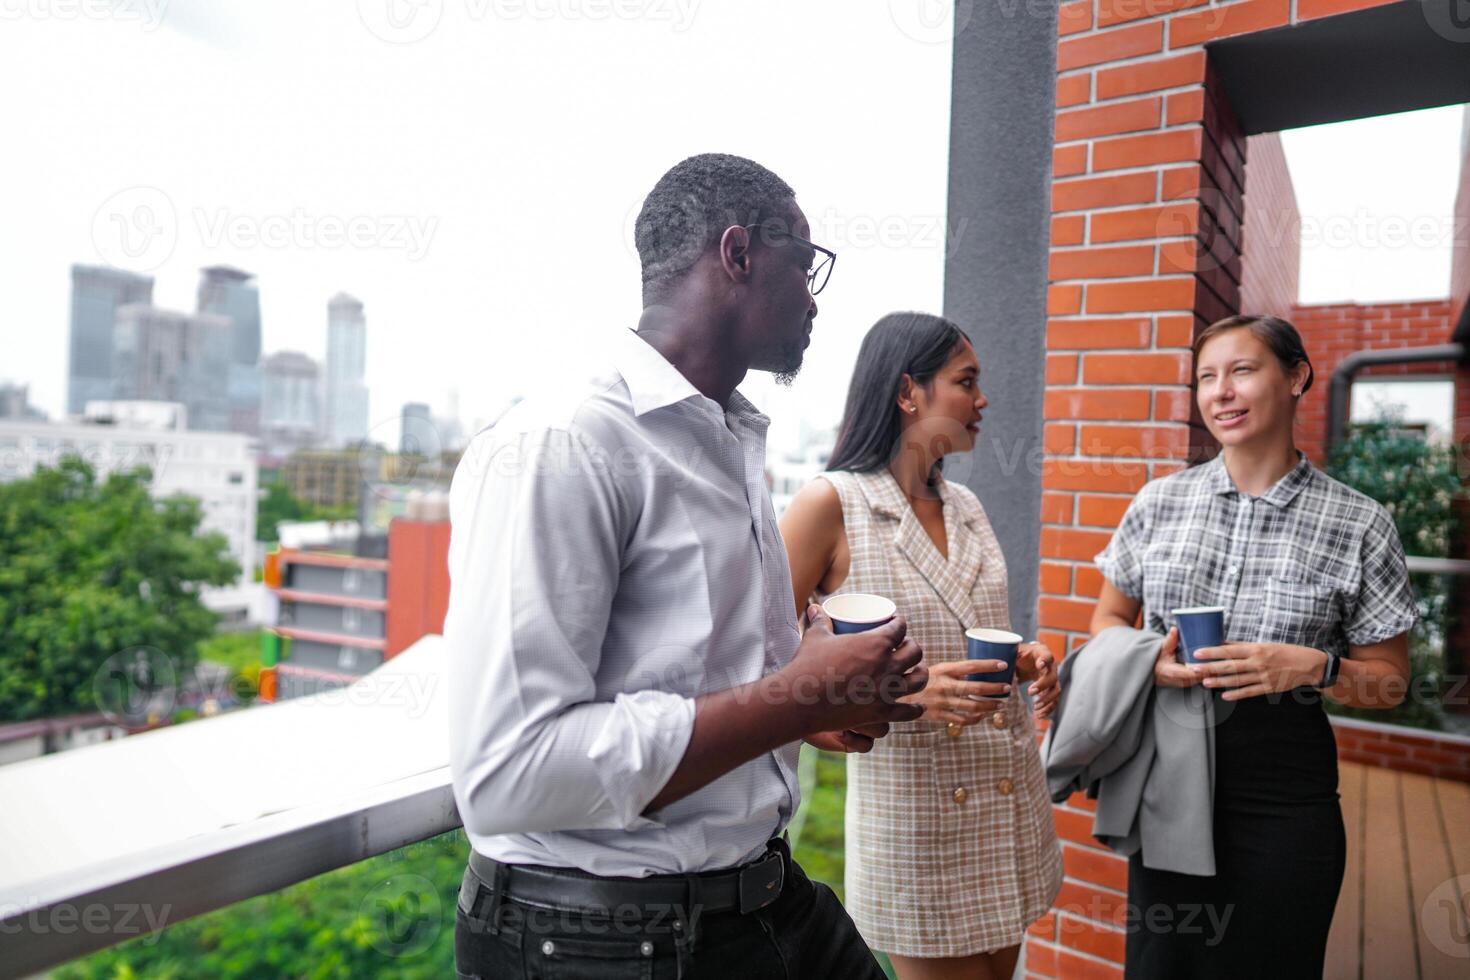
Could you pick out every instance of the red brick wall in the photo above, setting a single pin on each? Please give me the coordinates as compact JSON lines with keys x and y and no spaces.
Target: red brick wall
{"x":1148,"y":201}
{"x":1460,"y":261}
{"x":1332,"y":332}
{"x":1436,"y":754}
{"x":1271,"y":242}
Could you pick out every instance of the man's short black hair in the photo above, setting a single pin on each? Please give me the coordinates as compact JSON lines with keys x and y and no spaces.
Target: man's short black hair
{"x":692,"y":205}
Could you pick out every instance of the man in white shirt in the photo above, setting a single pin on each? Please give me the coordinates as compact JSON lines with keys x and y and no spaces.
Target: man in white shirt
{"x":629,"y":685}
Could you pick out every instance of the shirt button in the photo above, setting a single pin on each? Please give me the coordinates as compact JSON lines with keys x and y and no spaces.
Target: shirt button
{"x":998,"y":720}
{"x":960,"y":795}
{"x":952,"y":729}
{"x":1234,"y":570}
{"x":548,"y":947}
{"x":1006,"y":787}
{"x":646,"y":949}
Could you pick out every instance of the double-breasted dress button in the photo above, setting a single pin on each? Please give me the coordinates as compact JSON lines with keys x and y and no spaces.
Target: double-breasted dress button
{"x":961,"y":795}
{"x":1006,"y":787}
{"x":998,"y":719}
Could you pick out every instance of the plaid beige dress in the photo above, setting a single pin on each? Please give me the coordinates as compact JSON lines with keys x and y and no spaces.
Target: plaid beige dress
{"x":951,"y":849}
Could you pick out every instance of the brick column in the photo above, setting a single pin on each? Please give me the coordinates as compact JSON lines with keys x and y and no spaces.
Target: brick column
{"x":1148,"y":205}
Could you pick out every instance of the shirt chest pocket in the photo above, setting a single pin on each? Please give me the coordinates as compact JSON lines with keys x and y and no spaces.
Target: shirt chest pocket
{"x":1299,"y":613}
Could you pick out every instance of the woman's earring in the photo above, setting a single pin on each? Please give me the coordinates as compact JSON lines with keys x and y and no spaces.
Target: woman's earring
{"x":913,"y":409}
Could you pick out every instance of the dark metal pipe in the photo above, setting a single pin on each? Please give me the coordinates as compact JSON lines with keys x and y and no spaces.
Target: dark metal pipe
{"x":1341,"y":386}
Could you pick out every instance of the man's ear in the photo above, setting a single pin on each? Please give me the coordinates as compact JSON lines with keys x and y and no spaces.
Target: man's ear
{"x":735,"y":253}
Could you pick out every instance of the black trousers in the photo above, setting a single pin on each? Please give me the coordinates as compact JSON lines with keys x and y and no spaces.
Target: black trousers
{"x":804,"y":933}
{"x":1280,"y":852}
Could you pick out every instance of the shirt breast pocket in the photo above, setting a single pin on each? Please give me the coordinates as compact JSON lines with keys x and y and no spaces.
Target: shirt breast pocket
{"x":1167,"y":585}
{"x":1298,"y":613}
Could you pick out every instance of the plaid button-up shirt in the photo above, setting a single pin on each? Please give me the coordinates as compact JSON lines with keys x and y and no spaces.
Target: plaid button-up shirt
{"x":1309,"y":562}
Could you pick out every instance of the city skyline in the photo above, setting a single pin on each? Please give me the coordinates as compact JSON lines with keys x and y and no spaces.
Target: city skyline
{"x":484,"y":270}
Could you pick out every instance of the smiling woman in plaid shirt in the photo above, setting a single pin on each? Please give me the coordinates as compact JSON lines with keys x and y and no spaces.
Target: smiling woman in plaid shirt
{"x":1312,"y":578}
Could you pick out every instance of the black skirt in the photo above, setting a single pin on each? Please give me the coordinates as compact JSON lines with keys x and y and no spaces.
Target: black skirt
{"x":1280,"y":850}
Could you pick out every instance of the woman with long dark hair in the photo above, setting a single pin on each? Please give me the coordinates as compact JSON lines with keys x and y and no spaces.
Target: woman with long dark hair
{"x":1313,"y":582}
{"x":951,"y":851}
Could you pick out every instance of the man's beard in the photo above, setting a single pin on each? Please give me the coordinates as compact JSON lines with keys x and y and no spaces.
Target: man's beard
{"x":790,"y":358}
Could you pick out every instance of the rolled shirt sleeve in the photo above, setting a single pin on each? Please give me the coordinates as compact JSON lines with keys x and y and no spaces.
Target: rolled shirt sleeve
{"x":1384,"y":605}
{"x":1121,"y":561}
{"x":535,"y":555}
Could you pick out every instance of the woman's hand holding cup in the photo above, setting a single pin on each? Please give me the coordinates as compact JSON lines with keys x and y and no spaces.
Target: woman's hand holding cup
{"x":950,"y":697}
{"x":1168,"y":671}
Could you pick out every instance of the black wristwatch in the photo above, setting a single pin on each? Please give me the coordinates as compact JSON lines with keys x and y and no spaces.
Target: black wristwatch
{"x":1329,"y":672}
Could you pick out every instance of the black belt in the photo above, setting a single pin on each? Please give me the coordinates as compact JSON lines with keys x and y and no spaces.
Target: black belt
{"x":744,"y":889}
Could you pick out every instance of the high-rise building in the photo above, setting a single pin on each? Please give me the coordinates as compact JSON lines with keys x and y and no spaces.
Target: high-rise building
{"x":15,"y":402}
{"x":417,"y":433}
{"x":232,"y":293}
{"x":163,"y":355}
{"x":96,"y":293}
{"x":346,"y":392}
{"x":290,"y":403}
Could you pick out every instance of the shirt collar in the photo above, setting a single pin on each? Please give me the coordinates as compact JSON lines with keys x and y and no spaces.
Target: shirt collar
{"x":1281,"y":493}
{"x":654,"y":383}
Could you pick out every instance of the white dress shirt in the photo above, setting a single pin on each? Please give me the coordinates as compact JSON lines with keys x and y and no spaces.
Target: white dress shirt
{"x":613,"y":555}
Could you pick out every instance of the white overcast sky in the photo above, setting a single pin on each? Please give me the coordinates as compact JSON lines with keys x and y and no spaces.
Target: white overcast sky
{"x":487,"y":158}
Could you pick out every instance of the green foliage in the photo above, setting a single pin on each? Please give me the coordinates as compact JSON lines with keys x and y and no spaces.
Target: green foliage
{"x":91,"y":570}
{"x":1417,"y":483}
{"x":277,"y":504}
{"x":233,"y":650}
{"x":821,"y":847}
{"x":1414,"y":480}
{"x":391,"y":915}
{"x":240,"y":653}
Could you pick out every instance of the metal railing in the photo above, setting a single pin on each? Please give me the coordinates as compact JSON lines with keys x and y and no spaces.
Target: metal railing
{"x":107,"y":843}
{"x":81,"y":912}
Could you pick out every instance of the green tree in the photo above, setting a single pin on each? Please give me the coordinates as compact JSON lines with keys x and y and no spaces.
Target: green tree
{"x":1416,"y":482}
{"x":90,"y":570}
{"x":278,"y":504}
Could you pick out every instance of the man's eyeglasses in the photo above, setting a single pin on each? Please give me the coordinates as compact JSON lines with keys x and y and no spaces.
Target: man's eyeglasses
{"x":825,"y":258}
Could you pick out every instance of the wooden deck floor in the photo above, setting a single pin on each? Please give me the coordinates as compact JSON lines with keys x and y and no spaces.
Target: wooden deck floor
{"x":1405,"y":905}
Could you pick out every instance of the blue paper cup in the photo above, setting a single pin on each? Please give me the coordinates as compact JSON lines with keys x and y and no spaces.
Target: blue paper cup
{"x":989,"y":644}
{"x":858,"y":612}
{"x":1199,"y":627}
